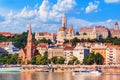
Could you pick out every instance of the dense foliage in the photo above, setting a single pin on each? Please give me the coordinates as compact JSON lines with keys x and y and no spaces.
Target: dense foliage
{"x":114,"y":41}
{"x":93,"y":58}
{"x":57,"y":60}
{"x":9,"y":59}
{"x":44,"y":40}
{"x":74,"y":60}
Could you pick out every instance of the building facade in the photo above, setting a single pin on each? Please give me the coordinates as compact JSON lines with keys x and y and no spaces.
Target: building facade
{"x":55,"y":51}
{"x":46,"y":35}
{"x":113,"y":55}
{"x":68,"y":52}
{"x":80,"y":52}
{"x":42,"y":48}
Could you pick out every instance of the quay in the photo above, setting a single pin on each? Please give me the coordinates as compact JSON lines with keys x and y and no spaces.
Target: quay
{"x":107,"y":69}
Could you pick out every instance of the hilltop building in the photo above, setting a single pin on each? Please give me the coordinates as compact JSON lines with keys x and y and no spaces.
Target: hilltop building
{"x":46,"y":35}
{"x":99,"y":32}
{"x":29,"y":50}
{"x":64,"y":32}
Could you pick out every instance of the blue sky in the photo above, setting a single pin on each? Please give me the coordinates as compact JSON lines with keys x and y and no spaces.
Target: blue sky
{"x":45,"y":15}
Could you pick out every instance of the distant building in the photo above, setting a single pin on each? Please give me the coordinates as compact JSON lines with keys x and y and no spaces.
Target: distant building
{"x":80,"y":52}
{"x":4,"y":44}
{"x":7,"y":34}
{"x":64,"y":32}
{"x":55,"y":51}
{"x":113,"y":55}
{"x":3,"y":51}
{"x":97,"y":32}
{"x":42,"y":48}
{"x":28,"y":52}
{"x":46,"y":35}
{"x":11,"y":49}
{"x":116,"y":31}
{"x":68,"y":52}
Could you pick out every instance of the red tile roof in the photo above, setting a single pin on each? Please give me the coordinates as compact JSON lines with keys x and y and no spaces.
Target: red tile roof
{"x":69,"y":48}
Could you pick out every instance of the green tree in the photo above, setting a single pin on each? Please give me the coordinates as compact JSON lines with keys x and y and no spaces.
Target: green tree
{"x":74,"y":41}
{"x":99,"y":59}
{"x":74,"y":60}
{"x":61,"y":60}
{"x":90,"y":59}
{"x":38,"y":59}
{"x":20,"y":40}
{"x":66,"y":41}
{"x":54,"y":60}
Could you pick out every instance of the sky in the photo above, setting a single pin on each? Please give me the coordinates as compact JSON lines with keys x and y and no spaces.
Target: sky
{"x":45,"y":15}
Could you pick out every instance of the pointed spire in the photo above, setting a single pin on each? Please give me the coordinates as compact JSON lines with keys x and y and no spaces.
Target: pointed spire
{"x":29,"y":28}
{"x":64,"y":20}
{"x":94,"y":29}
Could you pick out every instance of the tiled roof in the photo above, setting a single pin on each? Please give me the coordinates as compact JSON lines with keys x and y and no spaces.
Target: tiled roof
{"x":43,"y":45}
{"x":69,"y":48}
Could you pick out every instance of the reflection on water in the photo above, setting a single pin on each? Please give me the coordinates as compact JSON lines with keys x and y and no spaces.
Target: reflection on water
{"x":54,"y":76}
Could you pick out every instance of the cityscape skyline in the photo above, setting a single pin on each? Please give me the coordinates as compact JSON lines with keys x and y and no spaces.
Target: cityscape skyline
{"x":46,"y":14}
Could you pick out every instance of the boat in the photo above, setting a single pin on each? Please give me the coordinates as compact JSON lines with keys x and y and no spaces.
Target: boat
{"x":80,"y":71}
{"x":10,"y":69}
{"x":96,"y":72}
{"x":86,"y":72}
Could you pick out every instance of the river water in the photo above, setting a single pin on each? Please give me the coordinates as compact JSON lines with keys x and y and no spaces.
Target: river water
{"x":54,"y":76}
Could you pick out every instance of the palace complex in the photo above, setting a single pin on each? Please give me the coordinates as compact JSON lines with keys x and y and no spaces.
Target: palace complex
{"x":64,"y":32}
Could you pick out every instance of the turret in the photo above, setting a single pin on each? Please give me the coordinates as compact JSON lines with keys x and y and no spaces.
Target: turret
{"x":116,"y":26}
{"x":64,"y":21}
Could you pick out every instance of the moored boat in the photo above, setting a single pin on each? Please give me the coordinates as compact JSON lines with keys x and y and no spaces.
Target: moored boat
{"x":10,"y":69}
{"x":86,"y":72}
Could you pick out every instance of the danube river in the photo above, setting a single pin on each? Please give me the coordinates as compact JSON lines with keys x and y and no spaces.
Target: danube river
{"x":54,"y":76}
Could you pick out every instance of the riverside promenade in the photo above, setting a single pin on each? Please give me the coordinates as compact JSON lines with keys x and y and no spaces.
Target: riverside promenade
{"x":107,"y":69}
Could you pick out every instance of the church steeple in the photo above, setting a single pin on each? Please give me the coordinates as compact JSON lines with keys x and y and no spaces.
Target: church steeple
{"x":64,"y":20}
{"x":29,"y":43}
{"x":116,"y":27}
{"x":29,"y":39}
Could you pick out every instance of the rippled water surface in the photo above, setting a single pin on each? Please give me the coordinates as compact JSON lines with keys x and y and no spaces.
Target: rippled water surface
{"x":54,"y":76}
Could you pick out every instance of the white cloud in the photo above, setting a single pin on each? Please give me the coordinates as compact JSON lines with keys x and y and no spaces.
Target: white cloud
{"x":111,"y":1}
{"x":109,"y":20}
{"x":45,"y":15}
{"x":26,"y":13}
{"x":92,"y":7}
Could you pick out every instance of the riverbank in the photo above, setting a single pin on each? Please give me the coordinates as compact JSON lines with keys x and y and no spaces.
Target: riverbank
{"x":106,"y":69}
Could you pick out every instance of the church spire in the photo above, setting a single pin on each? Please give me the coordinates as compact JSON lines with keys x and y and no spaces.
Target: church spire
{"x":29,"y":43}
{"x":64,"y":20}
{"x":116,"y":27}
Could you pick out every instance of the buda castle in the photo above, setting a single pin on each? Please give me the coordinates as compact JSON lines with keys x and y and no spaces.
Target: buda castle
{"x":64,"y":32}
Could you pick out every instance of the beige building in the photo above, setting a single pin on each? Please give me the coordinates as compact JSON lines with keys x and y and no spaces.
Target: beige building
{"x":46,"y":35}
{"x":93,"y":33}
{"x":55,"y":51}
{"x":68,"y":52}
{"x":116,"y":31}
{"x":113,"y":55}
{"x":80,"y":52}
{"x":42,"y":48}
